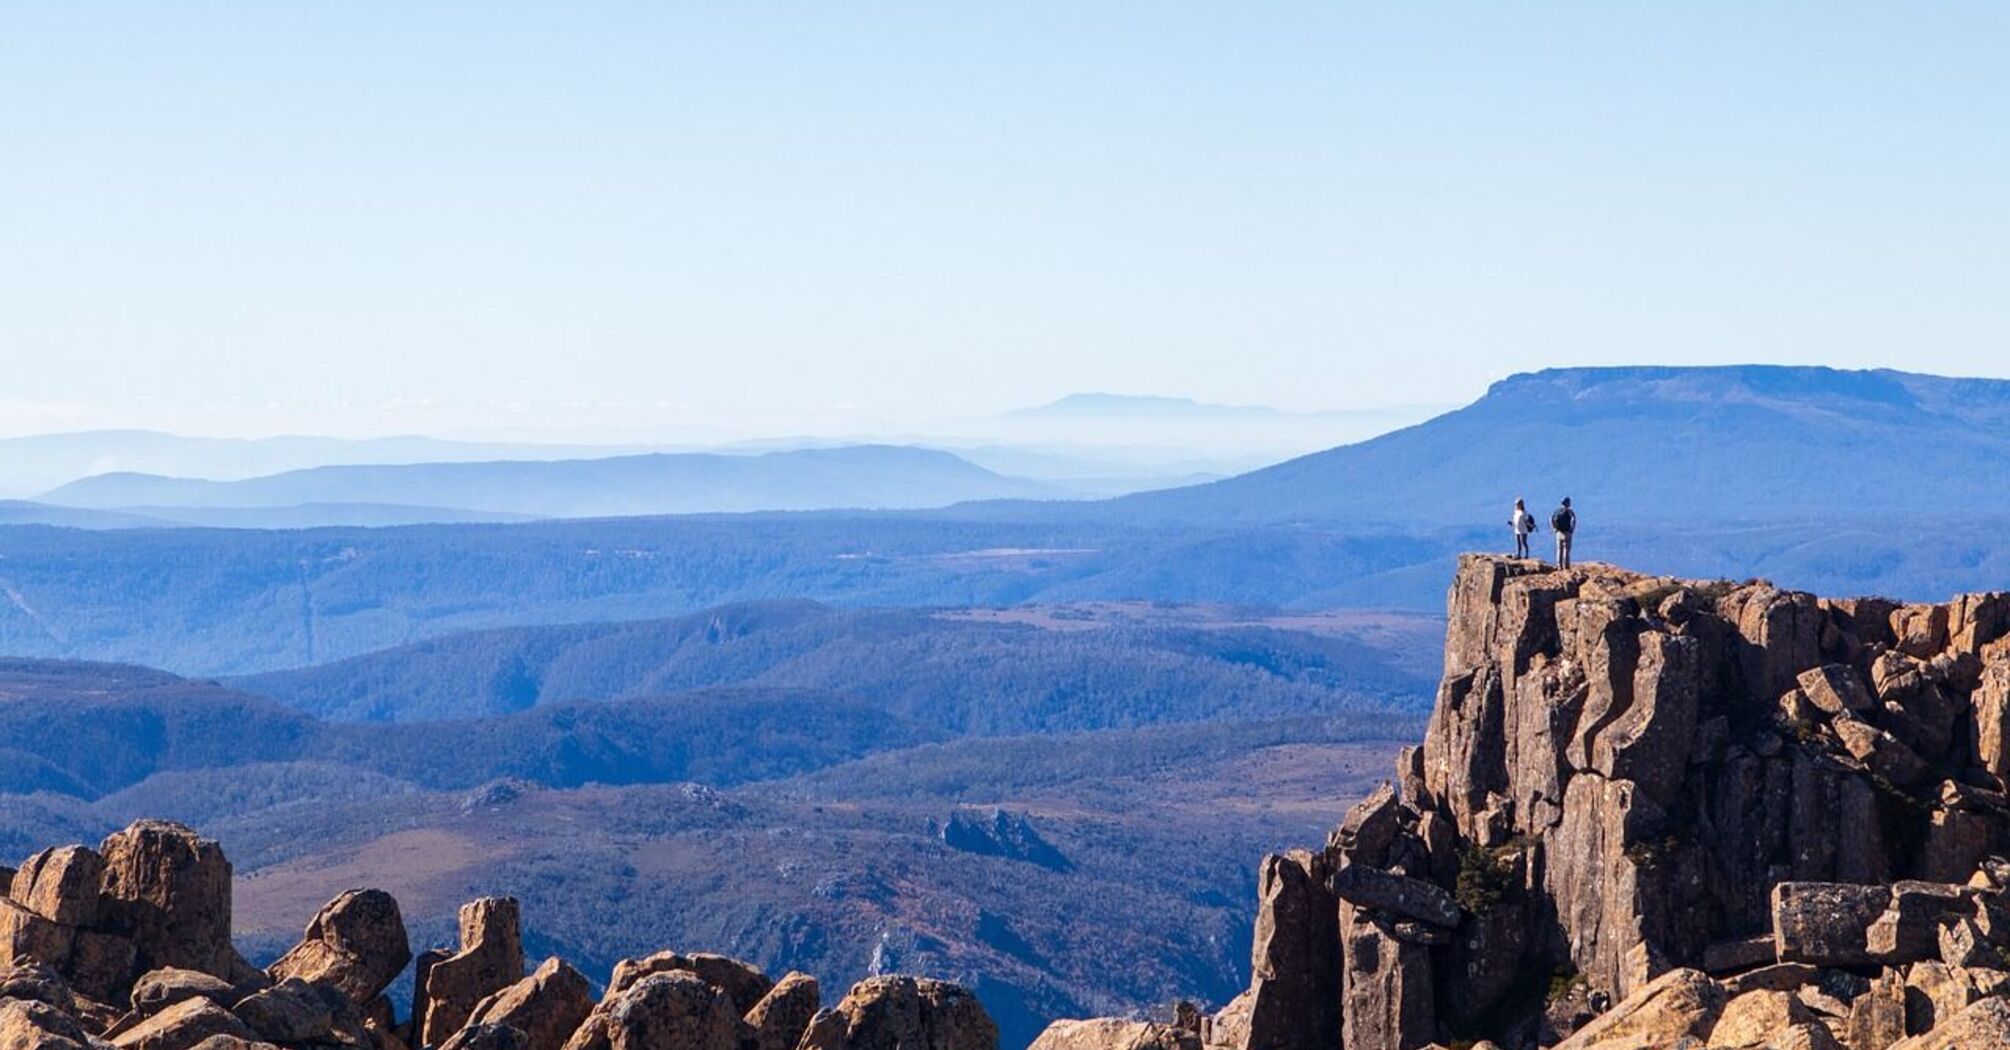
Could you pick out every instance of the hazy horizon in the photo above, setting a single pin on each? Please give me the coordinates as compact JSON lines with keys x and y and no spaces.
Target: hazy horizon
{"x":243,"y":219}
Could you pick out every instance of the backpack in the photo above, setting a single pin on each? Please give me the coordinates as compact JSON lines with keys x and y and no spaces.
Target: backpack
{"x":1563,"y":520}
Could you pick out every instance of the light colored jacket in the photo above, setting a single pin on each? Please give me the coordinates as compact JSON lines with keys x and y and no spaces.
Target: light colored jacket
{"x":1524,"y":522}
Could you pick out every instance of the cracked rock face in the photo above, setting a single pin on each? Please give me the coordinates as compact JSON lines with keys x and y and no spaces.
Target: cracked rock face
{"x":1647,"y":810}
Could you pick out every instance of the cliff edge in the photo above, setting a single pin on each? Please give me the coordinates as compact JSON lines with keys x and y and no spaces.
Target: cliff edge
{"x":1656,"y":812}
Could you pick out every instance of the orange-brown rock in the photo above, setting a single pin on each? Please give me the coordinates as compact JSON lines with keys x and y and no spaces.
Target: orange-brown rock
{"x":29,"y":1024}
{"x":167,"y":890}
{"x":743,"y":983}
{"x":1112,"y":1034}
{"x":355,"y":944}
{"x":490,"y":959}
{"x":903,"y":1013}
{"x":182,"y":1026}
{"x":674,"y":1008}
{"x":778,"y":1021}
{"x":547,"y":1006}
{"x":61,"y":885}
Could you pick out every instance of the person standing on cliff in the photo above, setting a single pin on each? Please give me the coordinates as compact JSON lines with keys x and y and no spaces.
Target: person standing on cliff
{"x":1523,"y":523}
{"x":1563,"y":521}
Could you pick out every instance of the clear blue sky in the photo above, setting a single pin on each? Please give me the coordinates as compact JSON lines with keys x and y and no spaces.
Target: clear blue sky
{"x":235,"y":217}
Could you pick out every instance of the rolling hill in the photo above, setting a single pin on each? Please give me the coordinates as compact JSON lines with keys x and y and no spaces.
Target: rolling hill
{"x":1060,"y":670}
{"x":857,"y":476}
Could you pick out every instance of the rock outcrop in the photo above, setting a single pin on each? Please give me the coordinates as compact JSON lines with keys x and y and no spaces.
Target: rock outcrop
{"x":1660,"y":812}
{"x":144,"y":922}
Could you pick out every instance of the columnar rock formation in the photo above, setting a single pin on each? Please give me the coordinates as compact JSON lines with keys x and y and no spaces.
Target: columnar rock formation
{"x":1650,"y":810}
{"x":128,"y":947}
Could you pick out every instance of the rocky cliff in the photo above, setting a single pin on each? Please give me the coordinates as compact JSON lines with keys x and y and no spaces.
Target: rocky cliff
{"x":1654,"y":812}
{"x":128,"y":946}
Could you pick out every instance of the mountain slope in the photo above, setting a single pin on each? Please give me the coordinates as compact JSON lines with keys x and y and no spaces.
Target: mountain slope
{"x":1680,"y":445}
{"x":860,"y":476}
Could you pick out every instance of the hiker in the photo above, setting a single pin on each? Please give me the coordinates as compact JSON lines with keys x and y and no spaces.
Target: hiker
{"x":1563,"y":521}
{"x":1523,"y":523}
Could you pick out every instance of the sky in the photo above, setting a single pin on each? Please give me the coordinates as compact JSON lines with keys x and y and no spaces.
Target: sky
{"x":364,"y":218}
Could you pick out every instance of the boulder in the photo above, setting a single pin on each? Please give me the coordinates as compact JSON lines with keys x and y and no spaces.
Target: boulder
{"x":1112,"y":1034}
{"x":61,"y":885}
{"x":156,"y":990}
{"x":26,"y":936}
{"x":29,"y":1024}
{"x":1386,"y":986}
{"x":1836,"y":688}
{"x":546,"y":1007}
{"x":780,"y":1018}
{"x":743,"y":983}
{"x":1294,"y":991}
{"x":231,"y":1042}
{"x":1880,"y":752}
{"x":487,"y":1037}
{"x":1396,"y":895}
{"x":491,"y":959}
{"x":35,"y":982}
{"x":903,"y":1013}
{"x":292,"y":1011}
{"x":167,"y":889}
{"x":671,"y":1009}
{"x":356,"y":944}
{"x":1825,"y":923}
{"x":182,"y":1026}
{"x":1679,"y":1005}
{"x":1757,"y":1016}
{"x":1985,"y":1024}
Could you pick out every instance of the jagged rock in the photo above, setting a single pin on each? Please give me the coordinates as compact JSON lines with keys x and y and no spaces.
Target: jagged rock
{"x":1000,"y":833}
{"x":1386,"y":987}
{"x":157,"y":990}
{"x":182,"y":1026}
{"x":1827,"y":924}
{"x":1989,"y":720}
{"x":61,"y":885}
{"x":743,"y":983}
{"x":26,"y":936}
{"x":37,"y":983}
{"x":355,"y":944}
{"x":671,"y":1009}
{"x":491,"y":959}
{"x":779,"y":1020}
{"x":487,"y":1037}
{"x":1112,"y":1034}
{"x":1367,"y":887}
{"x":168,"y":890}
{"x":1836,"y":688}
{"x":29,"y":1024}
{"x":1936,"y":992}
{"x":903,"y":1013}
{"x":546,"y":1007}
{"x":1294,"y":995}
{"x":1985,"y":1024}
{"x":1754,"y":1017}
{"x":1909,"y":930}
{"x":1678,"y":1005}
{"x":1877,"y":1017}
{"x":292,"y":1011}
{"x":1809,"y":1036}
{"x":1880,"y":752}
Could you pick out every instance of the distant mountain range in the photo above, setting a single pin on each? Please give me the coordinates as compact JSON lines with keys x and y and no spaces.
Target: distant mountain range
{"x":1681,"y":446}
{"x":865,"y":477}
{"x":40,"y":462}
{"x":1841,"y":482}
